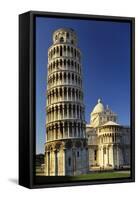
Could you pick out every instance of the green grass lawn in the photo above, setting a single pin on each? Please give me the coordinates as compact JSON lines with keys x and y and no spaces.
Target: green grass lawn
{"x":101,"y":175}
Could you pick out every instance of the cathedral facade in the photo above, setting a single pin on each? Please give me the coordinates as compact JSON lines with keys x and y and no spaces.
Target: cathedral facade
{"x":108,"y":141}
{"x":66,"y":148}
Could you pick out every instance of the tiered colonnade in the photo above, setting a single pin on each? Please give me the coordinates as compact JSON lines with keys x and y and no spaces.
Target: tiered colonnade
{"x":65,"y":121}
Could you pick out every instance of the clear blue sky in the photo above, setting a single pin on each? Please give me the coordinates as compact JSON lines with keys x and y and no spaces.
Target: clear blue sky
{"x":105,"y":48}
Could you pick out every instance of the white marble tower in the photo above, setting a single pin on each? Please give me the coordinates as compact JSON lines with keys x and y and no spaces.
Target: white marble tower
{"x":66,"y":149}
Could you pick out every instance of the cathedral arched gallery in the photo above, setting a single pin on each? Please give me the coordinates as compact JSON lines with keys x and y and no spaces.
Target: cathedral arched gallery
{"x":72,"y":146}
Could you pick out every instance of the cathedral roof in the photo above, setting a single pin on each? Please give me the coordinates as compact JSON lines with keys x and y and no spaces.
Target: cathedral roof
{"x":98,"y":108}
{"x":110,"y":123}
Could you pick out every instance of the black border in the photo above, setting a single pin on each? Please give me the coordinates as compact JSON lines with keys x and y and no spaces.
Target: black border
{"x":27,"y":101}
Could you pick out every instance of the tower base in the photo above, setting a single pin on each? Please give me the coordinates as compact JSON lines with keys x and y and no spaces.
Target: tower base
{"x":66,"y":157}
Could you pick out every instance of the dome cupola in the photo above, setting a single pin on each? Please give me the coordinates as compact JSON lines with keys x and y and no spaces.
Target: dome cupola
{"x":98,"y":108}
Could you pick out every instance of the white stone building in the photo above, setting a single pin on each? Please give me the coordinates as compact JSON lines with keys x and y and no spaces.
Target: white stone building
{"x":66,"y":148}
{"x":108,"y":141}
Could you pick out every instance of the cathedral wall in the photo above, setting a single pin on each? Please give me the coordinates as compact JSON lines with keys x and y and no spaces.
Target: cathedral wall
{"x":118,"y":157}
{"x":111,"y":158}
{"x":126,"y":155}
{"x":100,"y":152}
{"x":91,"y":156}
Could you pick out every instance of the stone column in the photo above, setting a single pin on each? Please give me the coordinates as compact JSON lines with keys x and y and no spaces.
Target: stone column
{"x":79,"y":113}
{"x":67,"y":95}
{"x":46,"y":163}
{"x":49,"y":161}
{"x":74,"y":95}
{"x":58,"y":113}
{"x":71,"y":111}
{"x":63,"y":129}
{"x":117,"y":156}
{"x":64,"y":161}
{"x":56,"y":163}
{"x":63,"y":111}
{"x":67,"y":111}
{"x":73,"y":130}
{"x":103,"y":155}
{"x":76,"y":112}
{"x":71,"y":94}
{"x":112,"y":150}
{"x":68,"y":129}
{"x":54,"y":114}
{"x":108,"y":154}
{"x":77,"y":130}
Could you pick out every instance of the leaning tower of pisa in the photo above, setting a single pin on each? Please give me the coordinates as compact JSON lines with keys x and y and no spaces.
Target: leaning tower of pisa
{"x":66,"y":150}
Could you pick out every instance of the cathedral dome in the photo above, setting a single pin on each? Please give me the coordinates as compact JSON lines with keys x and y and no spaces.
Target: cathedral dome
{"x":98,"y":108}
